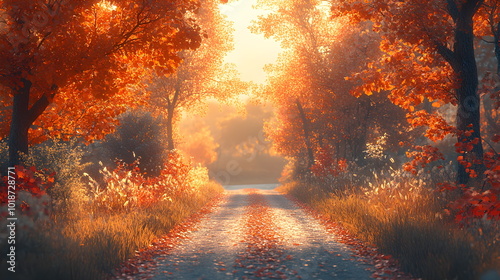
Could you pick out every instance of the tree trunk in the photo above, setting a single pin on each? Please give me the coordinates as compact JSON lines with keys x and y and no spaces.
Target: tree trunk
{"x":23,"y":117}
{"x":496,"y":36}
{"x":493,"y":126}
{"x":468,"y":112}
{"x":18,"y":135}
{"x":307,"y":140}
{"x":170,"y":130}
{"x":358,"y":146}
{"x":359,"y":142}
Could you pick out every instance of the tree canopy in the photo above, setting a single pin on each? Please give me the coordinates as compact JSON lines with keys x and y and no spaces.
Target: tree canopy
{"x":57,"y":57}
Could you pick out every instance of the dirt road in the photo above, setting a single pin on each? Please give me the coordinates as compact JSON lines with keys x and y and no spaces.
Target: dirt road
{"x":257,"y":234}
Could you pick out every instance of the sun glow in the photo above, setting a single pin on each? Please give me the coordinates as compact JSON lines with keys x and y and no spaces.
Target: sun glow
{"x":251,"y":51}
{"x":107,"y":5}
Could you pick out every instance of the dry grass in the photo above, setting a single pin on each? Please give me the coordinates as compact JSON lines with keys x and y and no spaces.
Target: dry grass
{"x":403,"y":218}
{"x":90,"y":247}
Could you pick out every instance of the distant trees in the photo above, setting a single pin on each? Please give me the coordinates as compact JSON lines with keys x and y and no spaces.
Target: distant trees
{"x":315,"y":111}
{"x":140,"y":136}
{"x":201,"y":74}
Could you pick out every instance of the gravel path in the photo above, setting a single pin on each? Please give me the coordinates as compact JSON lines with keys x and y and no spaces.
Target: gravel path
{"x":215,"y":249}
{"x":316,"y":253}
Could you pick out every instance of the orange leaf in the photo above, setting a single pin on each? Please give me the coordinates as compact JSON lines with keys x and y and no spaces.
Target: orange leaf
{"x":436,"y":104}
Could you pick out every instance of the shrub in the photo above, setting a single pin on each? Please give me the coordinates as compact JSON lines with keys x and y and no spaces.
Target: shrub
{"x":30,"y":195}
{"x":139,"y":135}
{"x":89,"y":247}
{"x":126,"y":188}
{"x":65,"y":159}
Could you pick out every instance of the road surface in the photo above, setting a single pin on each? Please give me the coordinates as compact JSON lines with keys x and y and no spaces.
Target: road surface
{"x":257,"y":234}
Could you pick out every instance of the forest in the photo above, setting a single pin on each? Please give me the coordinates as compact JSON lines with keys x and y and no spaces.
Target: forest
{"x":126,"y":129}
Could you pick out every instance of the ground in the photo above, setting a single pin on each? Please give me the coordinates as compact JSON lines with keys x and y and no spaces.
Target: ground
{"x":251,"y":234}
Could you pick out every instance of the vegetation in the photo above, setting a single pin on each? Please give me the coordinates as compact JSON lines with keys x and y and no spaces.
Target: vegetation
{"x":379,"y":109}
{"x":95,"y":179}
{"x":90,"y":247}
{"x":378,"y":114}
{"x":403,"y":216}
{"x":69,"y":229}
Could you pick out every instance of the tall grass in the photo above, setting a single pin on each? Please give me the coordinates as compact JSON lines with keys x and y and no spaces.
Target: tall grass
{"x":404,"y":218}
{"x":91,"y":246}
{"x":84,"y":236}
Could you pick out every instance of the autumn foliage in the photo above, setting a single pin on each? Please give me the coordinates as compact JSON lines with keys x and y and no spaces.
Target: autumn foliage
{"x":477,"y":203}
{"x":30,"y":195}
{"x":319,"y":124}
{"x":127,"y":188}
{"x":391,"y":70}
{"x":428,"y":61}
{"x":325,"y":164}
{"x":58,"y":57}
{"x":31,"y":180}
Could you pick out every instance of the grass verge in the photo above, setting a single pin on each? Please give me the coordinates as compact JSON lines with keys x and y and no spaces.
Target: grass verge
{"x":412,"y":229}
{"x":90,"y":247}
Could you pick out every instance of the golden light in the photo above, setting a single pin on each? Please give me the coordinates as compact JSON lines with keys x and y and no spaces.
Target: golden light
{"x":252,"y":51}
{"x":107,"y":5}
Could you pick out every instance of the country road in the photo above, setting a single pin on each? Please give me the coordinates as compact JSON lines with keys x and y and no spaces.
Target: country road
{"x":256,"y":234}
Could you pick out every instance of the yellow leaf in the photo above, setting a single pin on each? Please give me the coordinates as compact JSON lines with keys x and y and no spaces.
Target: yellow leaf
{"x":367,"y":91}
{"x":436,"y":104}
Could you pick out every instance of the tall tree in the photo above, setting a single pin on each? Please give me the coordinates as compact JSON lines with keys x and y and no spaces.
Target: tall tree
{"x":488,"y":19}
{"x":202,"y":73}
{"x":489,"y":32}
{"x":429,"y":54}
{"x":65,"y":51}
{"x":316,"y":112}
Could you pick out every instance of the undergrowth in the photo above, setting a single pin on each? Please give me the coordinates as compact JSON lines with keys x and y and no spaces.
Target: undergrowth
{"x":90,"y":247}
{"x":404,"y":218}
{"x":72,"y":229}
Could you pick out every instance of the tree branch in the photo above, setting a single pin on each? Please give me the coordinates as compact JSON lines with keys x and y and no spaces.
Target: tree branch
{"x":43,"y":39}
{"x":40,"y":105}
{"x":127,"y":36}
{"x":447,"y":54}
{"x":477,"y":4}
{"x":486,"y":41}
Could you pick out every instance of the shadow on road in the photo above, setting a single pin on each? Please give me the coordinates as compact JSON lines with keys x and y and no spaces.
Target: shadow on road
{"x":251,"y":186}
{"x":267,"y":191}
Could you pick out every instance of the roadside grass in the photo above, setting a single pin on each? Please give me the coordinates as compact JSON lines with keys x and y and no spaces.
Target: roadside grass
{"x":406,"y":220}
{"x":86,"y":246}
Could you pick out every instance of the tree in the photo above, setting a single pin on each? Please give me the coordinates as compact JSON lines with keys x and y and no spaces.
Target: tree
{"x":315,"y":111}
{"x":57,"y":53}
{"x":489,"y":33}
{"x":488,"y":17}
{"x":202,"y":73}
{"x":429,"y":55}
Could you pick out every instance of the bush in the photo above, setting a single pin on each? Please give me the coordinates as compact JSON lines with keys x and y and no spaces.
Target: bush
{"x":65,"y":242}
{"x":139,"y":135}
{"x":125,"y":188}
{"x":89,"y":247}
{"x":65,"y":159}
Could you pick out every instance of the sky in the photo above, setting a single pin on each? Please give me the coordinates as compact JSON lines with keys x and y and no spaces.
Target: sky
{"x":252,"y":51}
